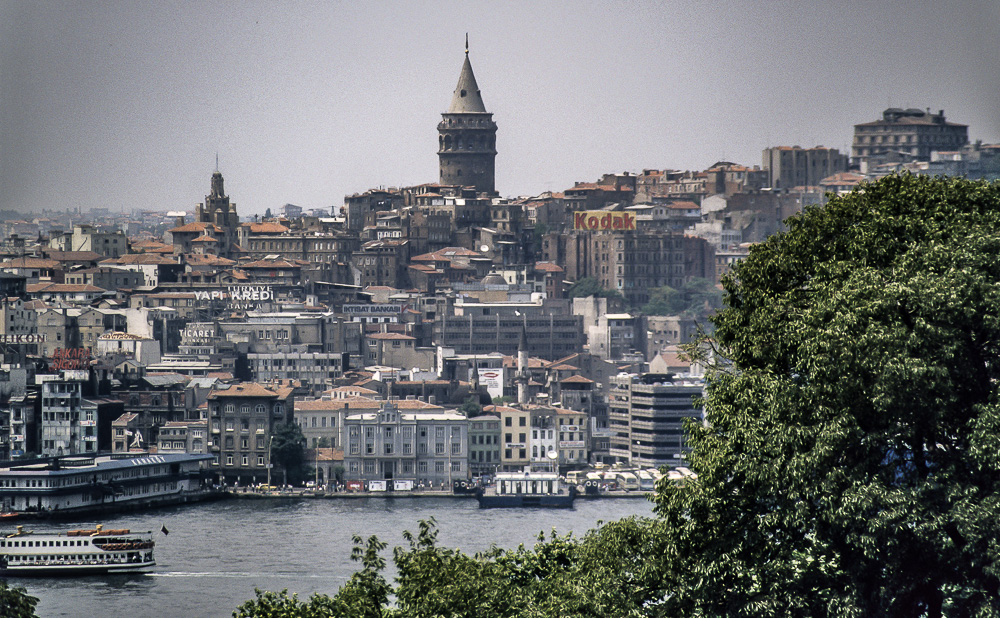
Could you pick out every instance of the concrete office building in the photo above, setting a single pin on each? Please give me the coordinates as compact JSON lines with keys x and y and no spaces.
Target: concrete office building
{"x":646,"y":416}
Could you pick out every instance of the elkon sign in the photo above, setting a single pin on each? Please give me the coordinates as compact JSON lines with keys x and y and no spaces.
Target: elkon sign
{"x":601,"y":221}
{"x":32,"y":338}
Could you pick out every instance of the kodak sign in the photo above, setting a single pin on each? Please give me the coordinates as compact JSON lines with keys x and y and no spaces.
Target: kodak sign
{"x":600,"y":221}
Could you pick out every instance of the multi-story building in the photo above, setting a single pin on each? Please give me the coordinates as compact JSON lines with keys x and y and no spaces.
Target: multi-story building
{"x":71,"y":423}
{"x":906,"y":135}
{"x":108,"y":243}
{"x":430,"y":448}
{"x":322,"y":420}
{"x":497,"y":328}
{"x":559,"y":438}
{"x":515,"y":429}
{"x":631,"y":263}
{"x":242,"y":419}
{"x":484,"y":444}
{"x":793,"y":166}
{"x":183,"y":437}
{"x":33,"y":269}
{"x":646,"y":415}
{"x":23,"y":418}
{"x":107,"y":277}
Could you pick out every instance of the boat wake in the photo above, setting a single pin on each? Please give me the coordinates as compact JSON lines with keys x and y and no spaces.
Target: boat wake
{"x":242,"y":574}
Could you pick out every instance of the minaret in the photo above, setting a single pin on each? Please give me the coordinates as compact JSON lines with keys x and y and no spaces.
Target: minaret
{"x":467,"y":136}
{"x":523,"y":375}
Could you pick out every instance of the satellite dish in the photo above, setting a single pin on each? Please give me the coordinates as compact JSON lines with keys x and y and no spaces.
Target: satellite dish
{"x":552,"y":455}
{"x":484,"y":248}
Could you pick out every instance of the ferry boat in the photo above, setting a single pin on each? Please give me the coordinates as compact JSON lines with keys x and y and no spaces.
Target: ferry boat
{"x":76,"y":552}
{"x":520,"y":489}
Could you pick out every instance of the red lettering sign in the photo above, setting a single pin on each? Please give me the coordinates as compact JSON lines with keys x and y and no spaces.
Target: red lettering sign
{"x":600,"y":221}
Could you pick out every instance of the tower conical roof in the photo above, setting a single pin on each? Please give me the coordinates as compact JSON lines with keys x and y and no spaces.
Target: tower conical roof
{"x":467,"y":98}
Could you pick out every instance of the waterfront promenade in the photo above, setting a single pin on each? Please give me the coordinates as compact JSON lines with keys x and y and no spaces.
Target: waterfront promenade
{"x":252,"y":493}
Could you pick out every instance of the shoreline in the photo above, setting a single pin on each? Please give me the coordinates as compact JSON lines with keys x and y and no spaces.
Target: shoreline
{"x":251,"y":494}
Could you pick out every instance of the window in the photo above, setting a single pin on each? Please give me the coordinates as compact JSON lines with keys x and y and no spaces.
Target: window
{"x":508,"y":421}
{"x":246,"y":461}
{"x":456,"y":466}
{"x":229,"y":460}
{"x":260,"y":462}
{"x":439,"y":467}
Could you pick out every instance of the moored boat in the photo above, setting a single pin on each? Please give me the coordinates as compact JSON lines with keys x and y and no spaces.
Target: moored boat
{"x":527,"y":489}
{"x":76,"y":552}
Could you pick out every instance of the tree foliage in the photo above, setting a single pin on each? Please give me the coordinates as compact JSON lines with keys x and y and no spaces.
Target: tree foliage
{"x":850,"y":462}
{"x":698,"y":298}
{"x":288,"y":453}
{"x":588,"y":286}
{"x":471,"y":407}
{"x":16,"y":602}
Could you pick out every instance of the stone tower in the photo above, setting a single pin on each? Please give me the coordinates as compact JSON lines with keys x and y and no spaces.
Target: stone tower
{"x":218,"y":210}
{"x":467,"y":136}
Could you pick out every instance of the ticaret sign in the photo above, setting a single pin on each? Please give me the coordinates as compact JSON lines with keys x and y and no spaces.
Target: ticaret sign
{"x":603,"y":221}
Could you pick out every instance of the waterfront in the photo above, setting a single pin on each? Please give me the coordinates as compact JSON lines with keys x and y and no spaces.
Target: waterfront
{"x":216,"y":553}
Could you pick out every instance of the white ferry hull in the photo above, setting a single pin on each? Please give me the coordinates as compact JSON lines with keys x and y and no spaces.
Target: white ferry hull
{"x":62,"y":570}
{"x":96,"y":551}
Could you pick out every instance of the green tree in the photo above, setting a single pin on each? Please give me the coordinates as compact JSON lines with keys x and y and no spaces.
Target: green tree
{"x":16,"y":602}
{"x":850,"y":465}
{"x":471,"y":406}
{"x":365,"y":595}
{"x":338,"y":473}
{"x":288,"y":452}
{"x":589,"y":286}
{"x":698,"y":298}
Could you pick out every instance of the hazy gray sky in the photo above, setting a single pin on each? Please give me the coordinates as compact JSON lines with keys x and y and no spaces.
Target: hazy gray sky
{"x":126,"y":103}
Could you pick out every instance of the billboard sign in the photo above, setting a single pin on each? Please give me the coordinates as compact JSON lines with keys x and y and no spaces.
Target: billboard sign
{"x":70,"y":358}
{"x":239,"y":296}
{"x":15,"y":339}
{"x":377,"y":309}
{"x":603,"y":221}
{"x":572,"y":444}
{"x":492,"y":379}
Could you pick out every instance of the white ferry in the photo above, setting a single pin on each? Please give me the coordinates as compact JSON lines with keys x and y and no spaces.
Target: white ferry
{"x":76,"y":552}
{"x":519,"y":489}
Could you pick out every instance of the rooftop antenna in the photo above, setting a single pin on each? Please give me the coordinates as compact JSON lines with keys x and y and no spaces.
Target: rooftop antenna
{"x":216,"y":161}
{"x":466,"y":43}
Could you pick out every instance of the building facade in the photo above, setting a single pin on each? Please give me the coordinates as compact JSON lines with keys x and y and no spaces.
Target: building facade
{"x":429,"y":448}
{"x":906,"y":135}
{"x":646,"y":417}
